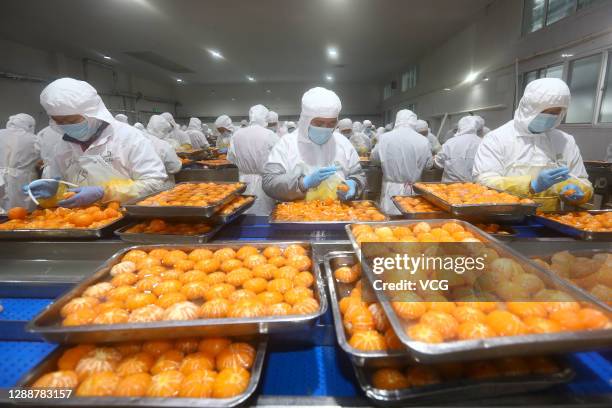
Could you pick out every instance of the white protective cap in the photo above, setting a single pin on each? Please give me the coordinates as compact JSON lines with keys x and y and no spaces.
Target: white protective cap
{"x":468,"y":125}
{"x":168,"y":116}
{"x":389,"y":127}
{"x":223,"y":121}
{"x":121,"y":118}
{"x":367,"y":123}
{"x":244,"y":122}
{"x":480,"y":121}
{"x":405,"y":118}
{"x":357,"y":127}
{"x":345,"y":124}
{"x":158,"y":126}
{"x":380,"y":130}
{"x":139,"y":126}
{"x":258,"y":115}
{"x":68,"y":96}
{"x":540,"y":95}
{"x":290,"y":124}
{"x":195,"y":124}
{"x":421,"y":126}
{"x":271,"y":117}
{"x":21,"y":121}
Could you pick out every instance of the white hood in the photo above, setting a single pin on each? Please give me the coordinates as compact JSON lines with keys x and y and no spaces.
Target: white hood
{"x":540,"y":95}
{"x":195,"y":124}
{"x":258,"y":115}
{"x":158,"y":126}
{"x":468,"y":125}
{"x":405,"y":118}
{"x":21,"y":121}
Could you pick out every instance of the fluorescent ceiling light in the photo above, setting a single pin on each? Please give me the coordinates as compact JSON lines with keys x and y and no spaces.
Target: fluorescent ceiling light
{"x":567,"y":55}
{"x":216,"y":54}
{"x":486,"y":79}
{"x":106,"y":57}
{"x":447,"y":89}
{"x":332,"y":52}
{"x":179,"y":80}
{"x":329,"y":77}
{"x":268,"y":91}
{"x":250,"y":78}
{"x":471,"y":77}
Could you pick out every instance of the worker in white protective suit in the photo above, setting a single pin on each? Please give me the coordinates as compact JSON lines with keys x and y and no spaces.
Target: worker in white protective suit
{"x":389,"y":127}
{"x":47,"y":140}
{"x":19,"y":155}
{"x":181,"y":138}
{"x":304,"y":159}
{"x":345,"y":127}
{"x":379,"y":132}
{"x":480,"y":123}
{"x":449,"y":134}
{"x":244,"y":123}
{"x":290,"y":126}
{"x":107,"y":159}
{"x":272,"y":120}
{"x":139,"y":126}
{"x":529,"y":156}
{"x":422,"y":127}
{"x":403,"y":154}
{"x":194,"y":131}
{"x":457,"y":155}
{"x":360,"y":141}
{"x":157,"y":132}
{"x":122,"y":118}
{"x":249,"y":150}
{"x":367,"y":128}
{"x":224,"y":127}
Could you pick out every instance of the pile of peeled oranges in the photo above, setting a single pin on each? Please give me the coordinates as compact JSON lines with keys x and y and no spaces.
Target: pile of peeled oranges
{"x":92,"y":217}
{"x":415,"y":204}
{"x":583,"y":220}
{"x":327,"y":210}
{"x":235,"y":204}
{"x":415,"y":376}
{"x":187,"y":368}
{"x":471,"y":193}
{"x":171,"y":284}
{"x":192,"y":195}
{"x":157,"y":226}
{"x":419,"y":232}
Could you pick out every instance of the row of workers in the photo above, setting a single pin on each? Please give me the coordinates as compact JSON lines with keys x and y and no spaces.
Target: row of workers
{"x":110,"y":160}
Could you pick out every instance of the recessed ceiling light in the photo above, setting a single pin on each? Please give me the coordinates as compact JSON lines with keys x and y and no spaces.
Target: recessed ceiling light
{"x":332,"y":52}
{"x":106,"y":57}
{"x":485,"y":79}
{"x":233,"y":99}
{"x":447,"y":89}
{"x":179,"y":80}
{"x":250,"y":78}
{"x":471,"y":77}
{"x":268,"y":91}
{"x":216,"y":54}
{"x":329,"y":77}
{"x":567,"y":55}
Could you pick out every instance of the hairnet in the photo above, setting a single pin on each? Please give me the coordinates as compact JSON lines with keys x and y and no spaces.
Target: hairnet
{"x":168,"y":116}
{"x":540,"y":95}
{"x":367,"y":123}
{"x":139,"y":126}
{"x":357,"y":127}
{"x":345,"y":124}
{"x":467,"y":125}
{"x":258,"y":115}
{"x":271,"y":117}
{"x":195,"y":123}
{"x":244,"y":122}
{"x":21,"y":121}
{"x":121,"y":118}
{"x":405,"y":118}
{"x":159,"y":126}
{"x":421,"y":126}
{"x":290,"y":124}
{"x":480,"y":121}
{"x":68,"y":96}
{"x":223,"y":121}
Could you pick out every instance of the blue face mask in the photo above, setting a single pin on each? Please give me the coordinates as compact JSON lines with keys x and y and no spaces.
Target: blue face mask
{"x":78,"y":131}
{"x":320,"y":135}
{"x":543,"y":122}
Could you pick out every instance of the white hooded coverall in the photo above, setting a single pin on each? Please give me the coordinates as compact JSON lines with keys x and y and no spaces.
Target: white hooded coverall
{"x":223,"y":140}
{"x":157,"y":129}
{"x":181,"y":138}
{"x":360,"y":141}
{"x":511,"y":156}
{"x":457,"y":155}
{"x":249,"y":150}
{"x":403,"y":154}
{"x":422,"y":126}
{"x":295,"y":155}
{"x":194,"y":131}
{"x":120,"y":160}
{"x":19,"y":155}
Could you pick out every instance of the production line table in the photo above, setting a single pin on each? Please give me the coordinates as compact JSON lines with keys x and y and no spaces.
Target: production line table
{"x":309,"y":372}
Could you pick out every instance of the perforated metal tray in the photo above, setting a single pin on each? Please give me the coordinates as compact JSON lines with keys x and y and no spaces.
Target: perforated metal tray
{"x":411,"y":215}
{"x":150,"y":238}
{"x":51,"y":234}
{"x":573,"y":231}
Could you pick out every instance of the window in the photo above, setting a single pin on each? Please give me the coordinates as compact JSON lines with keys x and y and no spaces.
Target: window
{"x":586,"y":3}
{"x":387,"y":91}
{"x":605,"y":113}
{"x":559,"y":9}
{"x":533,"y":19}
{"x":540,"y":13}
{"x":409,"y":79}
{"x":583,"y":79}
{"x":554,"y":71}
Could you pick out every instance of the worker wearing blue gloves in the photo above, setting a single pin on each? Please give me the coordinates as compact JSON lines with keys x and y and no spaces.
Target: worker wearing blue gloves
{"x":304,"y":159}
{"x":48,"y":188}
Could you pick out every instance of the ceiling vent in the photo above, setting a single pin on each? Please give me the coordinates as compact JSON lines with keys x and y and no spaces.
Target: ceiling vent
{"x":159,"y":61}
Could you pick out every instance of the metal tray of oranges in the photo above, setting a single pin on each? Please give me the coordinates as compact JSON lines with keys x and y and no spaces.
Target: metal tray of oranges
{"x":339,"y":290}
{"x":442,"y":349}
{"x":50,"y":364}
{"x":48,"y":323}
{"x":572,"y":231}
{"x":286,"y":224}
{"x":415,"y":215}
{"x":133,"y":208}
{"x":450,"y":383}
{"x":494,"y":212}
{"x":159,"y":238}
{"x":223,"y":218}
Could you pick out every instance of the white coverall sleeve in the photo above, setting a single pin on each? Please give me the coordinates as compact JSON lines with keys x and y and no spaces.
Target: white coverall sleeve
{"x":356,"y":172}
{"x":375,"y":155}
{"x":172,"y":162}
{"x":442,"y":157}
{"x":279,"y":181}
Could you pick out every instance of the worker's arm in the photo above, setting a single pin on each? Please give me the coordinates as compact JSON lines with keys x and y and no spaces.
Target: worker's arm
{"x":355,"y":172}
{"x":375,"y":155}
{"x":279,"y":180}
{"x":442,"y":156}
{"x":172,"y":162}
{"x":578,"y":176}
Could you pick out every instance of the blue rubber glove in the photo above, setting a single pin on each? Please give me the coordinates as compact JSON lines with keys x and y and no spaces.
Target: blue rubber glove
{"x":351,"y":193}
{"x":576,"y":195}
{"x":42,"y":188}
{"x":548,"y":178}
{"x":223,"y":150}
{"x":84,"y":196}
{"x":315,"y":178}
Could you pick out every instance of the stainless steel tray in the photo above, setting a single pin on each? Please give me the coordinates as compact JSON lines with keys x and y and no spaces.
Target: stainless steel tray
{"x":50,"y":364}
{"x":510,"y":234}
{"x":486,"y":212}
{"x":226,"y":219}
{"x":51,"y":234}
{"x":462,"y":389}
{"x":147,"y":238}
{"x":332,"y":261}
{"x":134,"y":209}
{"x":213,"y":166}
{"x":496,"y":346}
{"x":419,"y":215}
{"x":573,"y":231}
{"x":47,"y":323}
{"x":323,"y":224}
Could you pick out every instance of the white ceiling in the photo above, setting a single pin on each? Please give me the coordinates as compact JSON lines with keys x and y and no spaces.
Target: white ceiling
{"x":273,"y":40}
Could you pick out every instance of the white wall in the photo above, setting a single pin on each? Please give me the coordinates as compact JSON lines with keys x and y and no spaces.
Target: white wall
{"x":23,"y":95}
{"x":490,"y":47}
